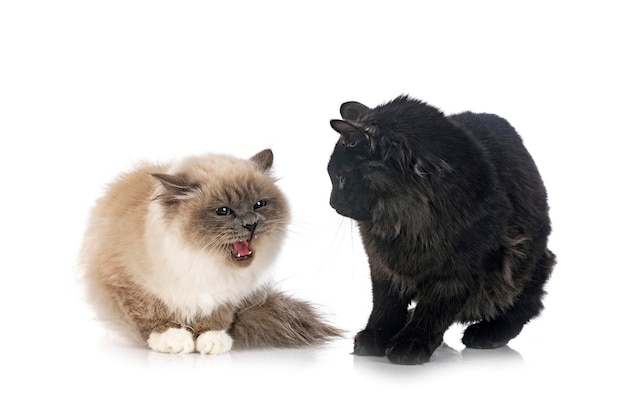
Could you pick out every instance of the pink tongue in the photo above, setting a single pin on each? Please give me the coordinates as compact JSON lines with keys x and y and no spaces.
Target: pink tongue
{"x":242,"y":248}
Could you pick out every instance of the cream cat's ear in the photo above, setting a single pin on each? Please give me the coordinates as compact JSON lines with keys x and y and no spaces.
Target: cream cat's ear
{"x":175,"y":184}
{"x":263,"y":160}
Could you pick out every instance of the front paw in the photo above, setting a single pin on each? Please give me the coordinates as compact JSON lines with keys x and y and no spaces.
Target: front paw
{"x":370,"y":342}
{"x":214,"y":342}
{"x":488,"y":335}
{"x":172,"y":340}
{"x":413,"y":351}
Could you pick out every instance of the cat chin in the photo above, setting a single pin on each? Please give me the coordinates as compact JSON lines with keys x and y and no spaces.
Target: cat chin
{"x":354,"y":216}
{"x":351,"y":212}
{"x":242,"y":261}
{"x":262,"y":252}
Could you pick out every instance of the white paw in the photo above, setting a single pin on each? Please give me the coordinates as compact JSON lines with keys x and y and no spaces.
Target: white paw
{"x":172,"y":340}
{"x":214,"y":342}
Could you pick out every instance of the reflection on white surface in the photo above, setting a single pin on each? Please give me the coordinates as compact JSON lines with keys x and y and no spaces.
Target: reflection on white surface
{"x":305,"y":376}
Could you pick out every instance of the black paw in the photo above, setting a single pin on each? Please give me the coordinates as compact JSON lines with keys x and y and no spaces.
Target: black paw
{"x":410,"y":352}
{"x":488,"y":335}
{"x":370,"y":342}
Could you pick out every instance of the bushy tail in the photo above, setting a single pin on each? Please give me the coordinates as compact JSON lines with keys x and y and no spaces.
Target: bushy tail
{"x":269,"y":318}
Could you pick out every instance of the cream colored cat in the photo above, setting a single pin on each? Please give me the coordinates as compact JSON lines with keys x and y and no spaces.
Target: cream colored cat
{"x":178,"y":255}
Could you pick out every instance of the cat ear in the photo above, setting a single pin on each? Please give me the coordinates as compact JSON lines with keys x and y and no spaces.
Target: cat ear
{"x":175,"y":184}
{"x":263,"y":160}
{"x":350,"y":134}
{"x":343,"y":127}
{"x":353,"y":110}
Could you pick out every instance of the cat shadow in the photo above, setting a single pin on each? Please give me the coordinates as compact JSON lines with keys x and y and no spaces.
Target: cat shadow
{"x":497,"y":355}
{"x":443,"y":358}
{"x":253,"y":359}
{"x":189,"y":361}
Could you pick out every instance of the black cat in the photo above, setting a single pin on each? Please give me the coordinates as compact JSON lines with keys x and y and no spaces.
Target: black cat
{"x":454,"y":219}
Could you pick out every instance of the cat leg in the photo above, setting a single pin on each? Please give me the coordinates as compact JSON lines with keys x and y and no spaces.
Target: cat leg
{"x":424,"y":331}
{"x":214,"y":342}
{"x":154,"y":323}
{"x":211,"y":336}
{"x":388,"y":315}
{"x":174,"y":340}
{"x":498,"y":332}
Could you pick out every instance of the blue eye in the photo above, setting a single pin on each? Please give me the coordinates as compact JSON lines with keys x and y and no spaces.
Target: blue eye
{"x":223,"y":211}
{"x":259,"y":204}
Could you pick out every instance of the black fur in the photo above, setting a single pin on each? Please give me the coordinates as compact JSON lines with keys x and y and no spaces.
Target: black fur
{"x":454,"y":219}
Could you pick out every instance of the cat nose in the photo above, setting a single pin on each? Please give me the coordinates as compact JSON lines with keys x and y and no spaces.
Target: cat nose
{"x":250,"y":227}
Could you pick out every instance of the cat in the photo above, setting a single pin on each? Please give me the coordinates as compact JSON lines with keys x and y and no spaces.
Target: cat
{"x":177,"y":255}
{"x":453,"y":216}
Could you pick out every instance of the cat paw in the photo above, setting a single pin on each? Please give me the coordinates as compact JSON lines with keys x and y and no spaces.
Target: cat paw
{"x":410,"y":352}
{"x":214,"y":342}
{"x":489,"y":335}
{"x":172,"y":340}
{"x":370,"y":342}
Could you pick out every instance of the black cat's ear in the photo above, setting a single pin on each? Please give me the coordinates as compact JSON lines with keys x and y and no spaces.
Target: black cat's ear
{"x":175,"y":184}
{"x":350,"y":134}
{"x":343,"y":127}
{"x":353,"y":110}
{"x":263,"y":160}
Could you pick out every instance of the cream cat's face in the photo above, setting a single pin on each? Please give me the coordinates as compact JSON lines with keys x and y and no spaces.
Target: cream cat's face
{"x":229,"y":207}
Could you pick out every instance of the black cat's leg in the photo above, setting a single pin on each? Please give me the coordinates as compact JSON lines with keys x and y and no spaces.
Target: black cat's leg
{"x":499,"y":331}
{"x":388,"y":316}
{"x":423,"y":333}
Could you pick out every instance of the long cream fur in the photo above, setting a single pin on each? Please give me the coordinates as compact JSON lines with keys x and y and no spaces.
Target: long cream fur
{"x":159,"y":262}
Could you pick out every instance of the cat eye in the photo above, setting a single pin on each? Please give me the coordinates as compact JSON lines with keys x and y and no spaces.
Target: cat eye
{"x":342,"y":181}
{"x":259,"y":204}
{"x":223,"y":211}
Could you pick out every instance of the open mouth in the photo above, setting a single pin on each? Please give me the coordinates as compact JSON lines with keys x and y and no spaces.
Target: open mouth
{"x":240,"y":250}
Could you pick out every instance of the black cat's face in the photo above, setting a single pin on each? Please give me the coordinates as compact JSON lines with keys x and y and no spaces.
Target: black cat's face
{"x":350,"y":166}
{"x":381,"y":154}
{"x":351,"y":194}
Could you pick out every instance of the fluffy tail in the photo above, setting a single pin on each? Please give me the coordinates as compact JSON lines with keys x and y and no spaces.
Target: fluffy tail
{"x":269,"y":318}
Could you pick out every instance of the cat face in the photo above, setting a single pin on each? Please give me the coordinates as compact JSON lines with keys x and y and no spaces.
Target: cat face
{"x":230,"y":208}
{"x":355,"y":168}
{"x":385,"y":159}
{"x":348,"y":170}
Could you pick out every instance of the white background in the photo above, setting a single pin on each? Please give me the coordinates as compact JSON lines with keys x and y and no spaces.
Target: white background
{"x":89,"y":88}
